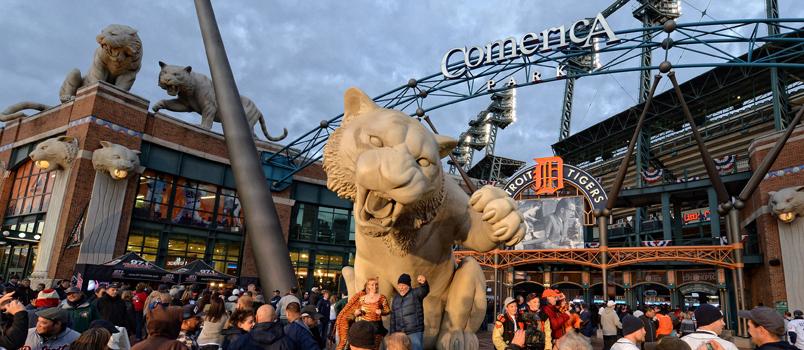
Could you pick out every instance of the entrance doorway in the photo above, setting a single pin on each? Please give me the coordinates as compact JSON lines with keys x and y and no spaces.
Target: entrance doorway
{"x":17,"y":259}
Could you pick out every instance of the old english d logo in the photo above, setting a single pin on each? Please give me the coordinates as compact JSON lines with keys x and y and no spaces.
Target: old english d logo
{"x":548,"y":176}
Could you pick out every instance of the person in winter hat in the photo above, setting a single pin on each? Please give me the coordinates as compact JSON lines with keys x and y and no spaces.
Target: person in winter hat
{"x":710,"y":325}
{"x":51,"y":331}
{"x":633,"y":332}
{"x":82,"y":311}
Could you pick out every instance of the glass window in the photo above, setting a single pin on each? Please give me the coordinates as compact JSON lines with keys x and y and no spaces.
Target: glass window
{"x":300,"y":259}
{"x":320,"y":224}
{"x":144,"y":242}
{"x":153,"y":196}
{"x":30,"y":192}
{"x":226,"y":255}
{"x":327,"y":270}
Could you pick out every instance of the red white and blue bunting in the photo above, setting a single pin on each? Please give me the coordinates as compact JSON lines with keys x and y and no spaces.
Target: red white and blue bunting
{"x":651,"y":176}
{"x":694,"y":178}
{"x":726,"y":163}
{"x":725,"y":241}
{"x":592,"y":245}
{"x":487,"y":182}
{"x":656,"y":243}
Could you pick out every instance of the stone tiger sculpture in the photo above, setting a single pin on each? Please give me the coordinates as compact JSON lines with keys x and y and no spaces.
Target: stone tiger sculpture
{"x":787,"y":203}
{"x":408,"y":215}
{"x":58,"y":153}
{"x":197,"y":94}
{"x":116,"y":160}
{"x":117,"y":61}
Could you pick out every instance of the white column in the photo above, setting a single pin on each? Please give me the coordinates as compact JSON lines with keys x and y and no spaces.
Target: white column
{"x":791,"y":238}
{"x":47,"y":240}
{"x":103,"y":219}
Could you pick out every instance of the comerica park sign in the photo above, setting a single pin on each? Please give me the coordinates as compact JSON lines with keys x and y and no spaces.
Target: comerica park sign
{"x":528,"y":45}
{"x":550,"y":174}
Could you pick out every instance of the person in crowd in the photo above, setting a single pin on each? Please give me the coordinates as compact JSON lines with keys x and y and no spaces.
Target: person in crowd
{"x":586,"y":320}
{"x":651,"y":324}
{"x":163,"y":325}
{"x":674,"y":343}
{"x":25,"y":294}
{"x":710,"y":325}
{"x":139,"y":307}
{"x":398,"y":341}
{"x":13,"y":281}
{"x":766,"y":327}
{"x":573,"y":341}
{"x":40,"y":287}
{"x":61,"y":288}
{"x":216,"y":318}
{"x":520,"y":304}
{"x":633,"y":332}
{"x":315,"y":296}
{"x":687,"y":326}
{"x":310,"y":317}
{"x":665,"y":323}
{"x":51,"y":331}
{"x":245,"y":302}
{"x":81,"y":311}
{"x":533,"y":304}
{"x":117,"y":341}
{"x":557,"y":319}
{"x":407,"y":312}
{"x":99,"y":292}
{"x":610,"y":323}
{"x":371,"y":307}
{"x":297,"y":330}
{"x":306,"y":299}
{"x":323,"y":307}
{"x":259,"y":301}
{"x":46,"y":299}
{"x":283,"y":304}
{"x":131,"y":313}
{"x":15,"y":336}
{"x":341,"y":303}
{"x":191,"y":320}
{"x":276,"y":298}
{"x":113,"y":309}
{"x":203,"y":301}
{"x":332,"y":317}
{"x":267,"y":334}
{"x":187,"y":298}
{"x":92,"y":339}
{"x":343,"y":320}
{"x":154,"y":298}
{"x":241,"y":321}
{"x":361,"y":336}
{"x":506,"y":325}
{"x":231,"y":303}
{"x":795,"y":330}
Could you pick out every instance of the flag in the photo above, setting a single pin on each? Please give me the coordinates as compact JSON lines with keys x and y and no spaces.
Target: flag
{"x":725,"y":240}
{"x":592,"y":245}
{"x":651,"y":176}
{"x":656,"y":243}
{"x":725,"y":163}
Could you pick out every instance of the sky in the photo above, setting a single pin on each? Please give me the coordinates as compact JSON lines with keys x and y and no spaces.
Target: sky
{"x":295,"y":59}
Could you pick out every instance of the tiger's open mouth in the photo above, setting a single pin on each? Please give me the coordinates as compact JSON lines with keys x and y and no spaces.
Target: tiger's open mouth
{"x":377,"y":210}
{"x":787,"y":217}
{"x":114,"y":52}
{"x":172,"y":90}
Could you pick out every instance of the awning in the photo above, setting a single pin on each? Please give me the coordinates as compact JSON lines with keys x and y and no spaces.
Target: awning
{"x":200,"y":272}
{"x":127,"y":267}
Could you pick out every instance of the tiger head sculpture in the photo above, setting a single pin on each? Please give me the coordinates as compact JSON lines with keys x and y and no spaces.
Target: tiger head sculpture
{"x":58,"y":153}
{"x":118,"y":161}
{"x":787,"y":203}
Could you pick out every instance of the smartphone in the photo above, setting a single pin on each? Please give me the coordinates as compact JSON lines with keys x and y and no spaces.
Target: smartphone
{"x":709,"y":347}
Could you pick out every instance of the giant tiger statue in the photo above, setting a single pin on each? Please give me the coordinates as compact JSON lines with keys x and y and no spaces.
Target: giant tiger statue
{"x":408,"y":215}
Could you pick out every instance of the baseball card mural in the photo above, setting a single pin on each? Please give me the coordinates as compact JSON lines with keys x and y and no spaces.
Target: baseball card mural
{"x":553,"y":223}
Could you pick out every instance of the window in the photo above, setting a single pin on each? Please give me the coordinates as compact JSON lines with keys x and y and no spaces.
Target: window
{"x":194,"y":203}
{"x":300,"y":259}
{"x":144,"y":242}
{"x":321,"y":224}
{"x":31,"y":190}
{"x":327,"y":268}
{"x":226,"y":254}
{"x":183,"y":249}
{"x":153,"y":196}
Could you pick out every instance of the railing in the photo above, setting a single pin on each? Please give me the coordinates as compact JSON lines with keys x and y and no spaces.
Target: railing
{"x":697,"y":172}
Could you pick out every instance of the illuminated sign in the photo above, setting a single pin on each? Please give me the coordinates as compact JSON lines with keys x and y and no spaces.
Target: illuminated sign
{"x":587,"y":184}
{"x":548,"y":175}
{"x":696,"y":215}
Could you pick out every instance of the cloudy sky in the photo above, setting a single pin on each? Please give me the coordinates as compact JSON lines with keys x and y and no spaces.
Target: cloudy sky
{"x":295,"y":59}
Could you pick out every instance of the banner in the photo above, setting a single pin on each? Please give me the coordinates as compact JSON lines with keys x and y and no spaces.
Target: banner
{"x":694,"y":178}
{"x":725,"y":241}
{"x":656,"y":243}
{"x":651,"y":176}
{"x":487,"y":183}
{"x":725,"y":163}
{"x":592,"y":245}
{"x":552,"y":223}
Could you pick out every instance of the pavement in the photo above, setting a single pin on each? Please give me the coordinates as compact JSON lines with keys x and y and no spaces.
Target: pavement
{"x":484,"y":342}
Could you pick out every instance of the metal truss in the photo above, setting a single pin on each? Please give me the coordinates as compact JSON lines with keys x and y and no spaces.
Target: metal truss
{"x":436,"y":91}
{"x":718,"y":255}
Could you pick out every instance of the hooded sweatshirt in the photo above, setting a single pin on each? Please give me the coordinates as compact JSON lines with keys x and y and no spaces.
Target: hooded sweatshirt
{"x":82,"y":313}
{"x":264,"y":336}
{"x":163,"y":328}
{"x":57,"y":342}
{"x":154,"y":296}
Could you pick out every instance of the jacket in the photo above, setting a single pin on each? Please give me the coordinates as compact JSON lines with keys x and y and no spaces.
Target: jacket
{"x":407,"y":312}
{"x":504,"y":329}
{"x":624,"y":344}
{"x":163,"y":328}
{"x":231,"y":335}
{"x":650,"y":328}
{"x":557,"y":321}
{"x":686,"y":327}
{"x":665,"y":325}
{"x":114,"y":310}
{"x":211,"y":332}
{"x":264,"y":336}
{"x":323,"y":309}
{"x":25,"y":295}
{"x":83,"y":313}
{"x":340,"y":304}
{"x":695,"y":339}
{"x":283,"y":303}
{"x":314,"y":298}
{"x":779,"y":345}
{"x":300,"y":334}
{"x":586,"y":330}
{"x":275,"y":300}
{"x":18,"y":333}
{"x":610,"y":322}
{"x":59,"y":341}
{"x":139,"y":301}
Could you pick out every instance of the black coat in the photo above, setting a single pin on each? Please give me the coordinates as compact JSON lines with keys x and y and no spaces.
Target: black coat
{"x":407,"y":312}
{"x":113,"y":310}
{"x":18,"y":333}
{"x":264,"y":336}
{"x":25,"y":295}
{"x":231,"y":335}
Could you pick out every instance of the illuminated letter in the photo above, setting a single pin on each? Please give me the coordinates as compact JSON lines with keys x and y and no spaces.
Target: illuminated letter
{"x":501,"y":54}
{"x":490,"y":85}
{"x":546,"y":38}
{"x":527,"y":39}
{"x":605,"y":30}
{"x":445,"y":63}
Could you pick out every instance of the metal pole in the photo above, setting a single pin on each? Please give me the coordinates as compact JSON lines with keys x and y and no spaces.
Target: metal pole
{"x":602,"y":227}
{"x":262,"y":222}
{"x":497,"y":294}
{"x":469,"y":184}
{"x":737,"y":243}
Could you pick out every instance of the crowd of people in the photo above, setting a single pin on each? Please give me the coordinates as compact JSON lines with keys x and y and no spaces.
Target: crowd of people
{"x":550,"y":321}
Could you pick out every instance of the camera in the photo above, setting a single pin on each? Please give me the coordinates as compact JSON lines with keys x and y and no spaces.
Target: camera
{"x":534,"y":336}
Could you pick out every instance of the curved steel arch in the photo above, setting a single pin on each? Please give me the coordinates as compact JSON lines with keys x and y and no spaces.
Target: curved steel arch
{"x":694,"y":37}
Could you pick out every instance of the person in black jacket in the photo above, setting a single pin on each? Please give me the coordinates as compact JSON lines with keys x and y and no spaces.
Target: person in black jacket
{"x":112,"y":308}
{"x":267,"y":334}
{"x":407,"y":312}
{"x":13,"y":338}
{"x":25,"y":294}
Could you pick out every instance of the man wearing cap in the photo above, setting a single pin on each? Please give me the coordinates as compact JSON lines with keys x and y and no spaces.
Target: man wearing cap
{"x":532,"y":306}
{"x":633,"y":332}
{"x":795,"y":329}
{"x":407,"y":311}
{"x":276,"y":298}
{"x":46,"y":299}
{"x":507,"y":324}
{"x":710,"y":325}
{"x":82,"y":311}
{"x":609,"y":321}
{"x":191,"y":320}
{"x":557,"y":319}
{"x":298,"y":331}
{"x":315,"y":296}
{"x":113,"y":309}
{"x":51,"y":331}
{"x":310,"y":317}
{"x":765,"y":326}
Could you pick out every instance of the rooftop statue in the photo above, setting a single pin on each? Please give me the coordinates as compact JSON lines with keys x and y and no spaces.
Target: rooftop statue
{"x":408,"y":215}
{"x":197,"y":94}
{"x":117,"y":61}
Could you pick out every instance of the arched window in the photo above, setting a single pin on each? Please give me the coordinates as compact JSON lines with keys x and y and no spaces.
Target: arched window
{"x":30,"y":193}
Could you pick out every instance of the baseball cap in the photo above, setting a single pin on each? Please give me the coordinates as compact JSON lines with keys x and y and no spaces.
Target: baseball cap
{"x":277,"y":291}
{"x":798,"y":313}
{"x":54,"y":314}
{"x":163,"y":287}
{"x":190,"y":311}
{"x":765,"y":317}
{"x":72,"y":290}
{"x":310,"y":311}
{"x":549,"y":293}
{"x":113,"y":285}
{"x":610,"y":303}
{"x":236,"y":291}
{"x":508,"y":300}
{"x":105,"y":325}
{"x":532,"y":296}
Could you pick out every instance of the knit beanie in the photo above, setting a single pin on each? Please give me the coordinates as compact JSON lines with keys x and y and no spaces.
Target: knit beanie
{"x":631,"y":324}
{"x":707,"y":314}
{"x":404,"y":279}
{"x":361,"y":334}
{"x":672,"y":343}
{"x":47,"y":297}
